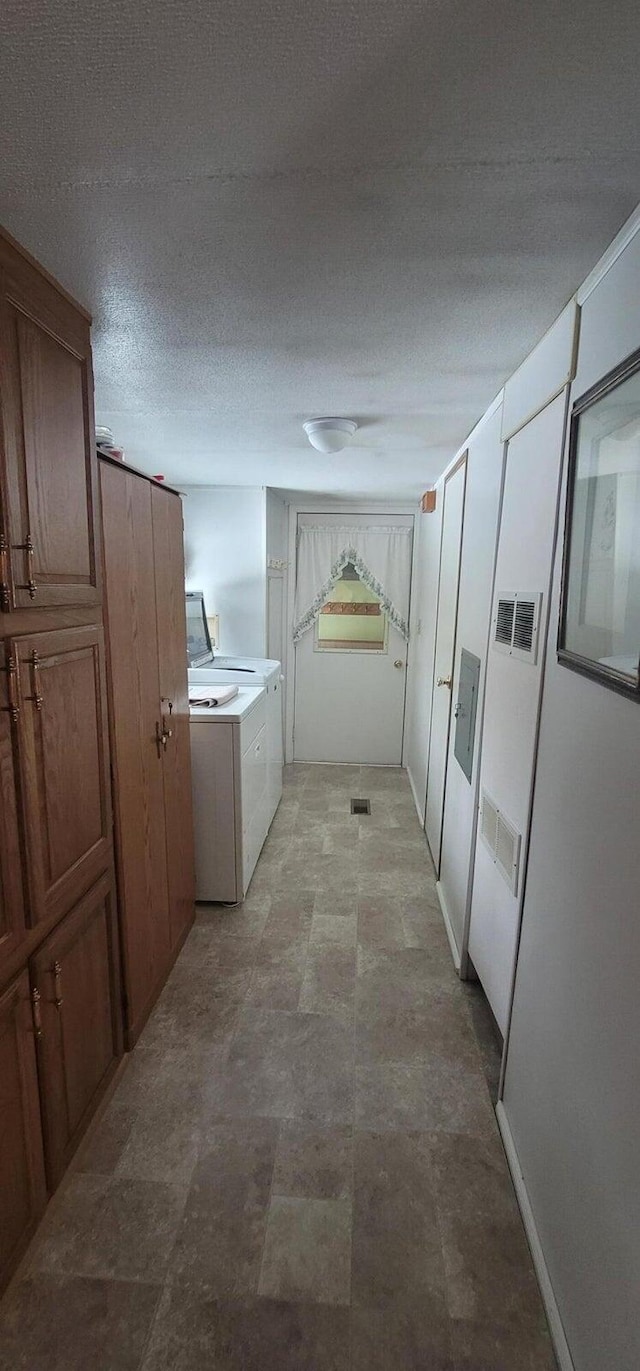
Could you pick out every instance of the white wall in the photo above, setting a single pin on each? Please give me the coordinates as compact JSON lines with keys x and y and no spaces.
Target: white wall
{"x":277,"y":531}
{"x":525,"y":551}
{"x":424,"y":599}
{"x":571,"y":1097}
{"x":480,"y":530}
{"x":277,"y":526}
{"x":225,"y":550}
{"x":570,"y":1111}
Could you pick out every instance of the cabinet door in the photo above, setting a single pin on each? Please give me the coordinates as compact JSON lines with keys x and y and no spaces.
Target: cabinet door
{"x":136,"y":722}
{"x":168,"y":545}
{"x":12,"y":906}
{"x":63,"y":764}
{"x":74,"y":973}
{"x":23,"y":1191}
{"x":49,"y":554}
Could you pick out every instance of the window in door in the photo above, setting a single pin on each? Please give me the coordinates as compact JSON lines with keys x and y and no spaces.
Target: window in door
{"x":352,"y":618}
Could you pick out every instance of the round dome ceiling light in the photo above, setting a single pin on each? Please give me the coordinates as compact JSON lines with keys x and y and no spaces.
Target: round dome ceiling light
{"x":329,"y":435}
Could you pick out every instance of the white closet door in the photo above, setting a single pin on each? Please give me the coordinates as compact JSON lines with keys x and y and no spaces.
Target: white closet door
{"x":454,"y":491}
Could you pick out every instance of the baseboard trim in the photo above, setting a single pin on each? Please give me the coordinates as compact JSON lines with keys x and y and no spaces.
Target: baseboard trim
{"x":560,"y":1344}
{"x":449,"y":927}
{"x":415,"y":798}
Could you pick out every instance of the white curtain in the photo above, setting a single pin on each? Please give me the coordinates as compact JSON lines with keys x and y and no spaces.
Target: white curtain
{"x":381,"y":557}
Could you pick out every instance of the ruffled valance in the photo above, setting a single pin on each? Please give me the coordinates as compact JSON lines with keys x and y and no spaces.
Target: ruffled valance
{"x":380,"y":555}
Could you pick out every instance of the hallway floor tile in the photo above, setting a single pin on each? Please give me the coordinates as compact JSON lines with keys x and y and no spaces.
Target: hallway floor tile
{"x":300,"y":1168}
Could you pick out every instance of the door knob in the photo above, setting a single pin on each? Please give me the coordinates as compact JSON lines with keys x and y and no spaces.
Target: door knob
{"x":444,"y":680}
{"x":399,"y":663}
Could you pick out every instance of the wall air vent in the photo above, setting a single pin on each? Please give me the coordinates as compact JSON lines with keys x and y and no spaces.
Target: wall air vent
{"x":501,"y":840}
{"x":489,"y":823}
{"x":516,"y":622}
{"x":505,"y":615}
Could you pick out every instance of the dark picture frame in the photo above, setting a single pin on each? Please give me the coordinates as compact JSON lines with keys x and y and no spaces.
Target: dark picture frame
{"x":607,"y":674}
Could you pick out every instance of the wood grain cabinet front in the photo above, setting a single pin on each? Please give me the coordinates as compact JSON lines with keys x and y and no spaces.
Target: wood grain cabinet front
{"x":168,"y":547}
{"x":22,"y":1190}
{"x":48,"y":541}
{"x":13,"y":914}
{"x":149,"y":716}
{"x":74,"y":980}
{"x":137,"y":736}
{"x":64,"y":770}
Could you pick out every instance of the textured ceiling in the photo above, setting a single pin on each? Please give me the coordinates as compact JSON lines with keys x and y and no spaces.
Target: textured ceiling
{"x":278,"y":210}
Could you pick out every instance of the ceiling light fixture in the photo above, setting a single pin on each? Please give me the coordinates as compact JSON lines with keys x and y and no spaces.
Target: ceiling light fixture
{"x":329,"y":435}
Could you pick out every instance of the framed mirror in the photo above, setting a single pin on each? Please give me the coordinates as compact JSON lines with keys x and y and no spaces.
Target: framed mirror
{"x":599,"y":633}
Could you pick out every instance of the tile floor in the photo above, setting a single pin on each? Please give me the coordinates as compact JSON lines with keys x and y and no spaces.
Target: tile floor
{"x":300,"y":1168}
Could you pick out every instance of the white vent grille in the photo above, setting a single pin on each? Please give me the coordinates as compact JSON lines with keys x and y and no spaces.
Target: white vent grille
{"x":489,"y":823}
{"x":516,"y":622}
{"x":504,"y":621}
{"x":502,"y":841}
{"x":524,"y":626}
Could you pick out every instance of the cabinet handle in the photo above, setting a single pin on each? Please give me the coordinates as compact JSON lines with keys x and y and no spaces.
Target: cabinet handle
{"x":57,"y":984}
{"x":35,"y":679}
{"x":27,"y":547}
{"x":13,"y":707}
{"x":5,"y":597}
{"x":162,"y":737}
{"x":36,"y":1013}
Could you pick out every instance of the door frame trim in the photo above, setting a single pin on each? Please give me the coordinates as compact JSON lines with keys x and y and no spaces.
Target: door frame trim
{"x":461,"y":462}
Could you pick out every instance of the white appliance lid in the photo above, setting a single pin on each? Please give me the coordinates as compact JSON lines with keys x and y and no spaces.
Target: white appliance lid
{"x":235,"y":709}
{"x":229,"y":669}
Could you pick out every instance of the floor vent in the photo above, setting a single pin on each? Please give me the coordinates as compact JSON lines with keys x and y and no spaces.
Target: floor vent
{"x":361,"y":806}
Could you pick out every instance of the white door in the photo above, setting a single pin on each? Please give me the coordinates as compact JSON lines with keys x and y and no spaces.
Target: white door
{"x":350,"y":703}
{"x":350,"y":678}
{"x":454,"y":489}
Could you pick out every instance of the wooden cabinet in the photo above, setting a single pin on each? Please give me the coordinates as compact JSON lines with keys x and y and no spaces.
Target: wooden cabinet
{"x":146,"y":637}
{"x":168,"y":541}
{"x":63,"y":744}
{"x":22,"y":1183}
{"x":56,"y":836}
{"x":13,"y":914}
{"x":136,"y":727}
{"x":48,"y":542}
{"x":74,"y":976}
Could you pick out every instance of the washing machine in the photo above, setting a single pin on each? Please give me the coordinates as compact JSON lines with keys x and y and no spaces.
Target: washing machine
{"x":252,"y":671}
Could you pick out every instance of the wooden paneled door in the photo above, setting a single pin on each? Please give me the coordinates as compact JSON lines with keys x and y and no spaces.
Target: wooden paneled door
{"x":64,"y":776}
{"x":48,"y":551}
{"x":13,"y":917}
{"x":23,"y":1190}
{"x":168,"y":541}
{"x":75,"y":976}
{"x":137,"y":734}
